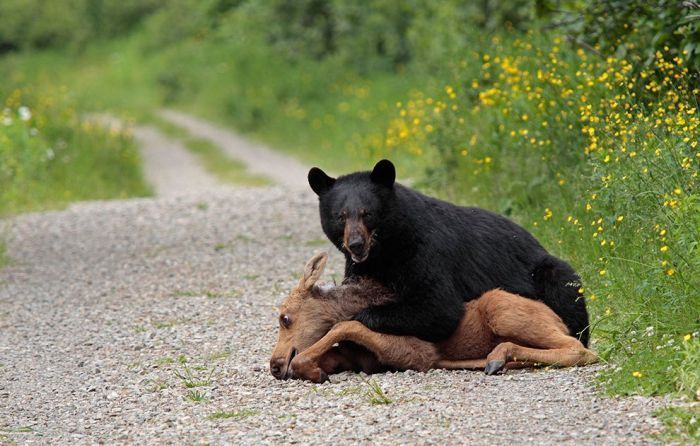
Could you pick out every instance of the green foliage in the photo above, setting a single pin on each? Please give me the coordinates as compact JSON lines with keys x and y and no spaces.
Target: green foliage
{"x":40,"y":23}
{"x":48,"y":157}
{"x":636,"y":29}
{"x":237,"y":415}
{"x":559,"y":140}
{"x":682,"y":424}
{"x":26,"y":24}
{"x":3,"y":255}
{"x":374,"y":393}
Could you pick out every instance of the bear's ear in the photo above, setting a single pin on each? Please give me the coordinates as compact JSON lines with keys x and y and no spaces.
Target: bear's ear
{"x":319,"y":181}
{"x":384,"y":173}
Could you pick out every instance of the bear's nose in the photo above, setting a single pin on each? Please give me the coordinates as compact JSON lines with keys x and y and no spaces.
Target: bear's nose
{"x":356,"y":245}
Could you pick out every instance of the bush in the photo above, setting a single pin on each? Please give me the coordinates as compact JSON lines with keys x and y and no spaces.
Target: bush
{"x":590,"y":154}
{"x":48,"y":157}
{"x":637,"y":29}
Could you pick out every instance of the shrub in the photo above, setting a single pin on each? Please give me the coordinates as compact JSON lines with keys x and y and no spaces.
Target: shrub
{"x":592,"y":154}
{"x":48,"y":157}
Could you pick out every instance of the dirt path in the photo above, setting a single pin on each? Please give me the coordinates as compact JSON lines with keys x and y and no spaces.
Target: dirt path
{"x":169,"y":167}
{"x":151,"y":321}
{"x":280,"y":168}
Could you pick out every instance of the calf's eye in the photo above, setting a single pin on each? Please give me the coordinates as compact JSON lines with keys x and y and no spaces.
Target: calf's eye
{"x":284,"y":320}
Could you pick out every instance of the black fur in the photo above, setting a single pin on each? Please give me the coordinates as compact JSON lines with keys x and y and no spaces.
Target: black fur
{"x":435,"y":256}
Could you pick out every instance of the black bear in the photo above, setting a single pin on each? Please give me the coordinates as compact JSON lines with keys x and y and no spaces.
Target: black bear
{"x":435,"y":256}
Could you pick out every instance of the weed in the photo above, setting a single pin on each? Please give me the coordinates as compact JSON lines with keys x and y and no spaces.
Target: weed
{"x":374,"y":394}
{"x":190,"y":380}
{"x":20,"y":429}
{"x":211,"y":294}
{"x":219,"y":355}
{"x":196,"y":396}
{"x":156,"y":385}
{"x":239,"y":414}
{"x":165,"y":361}
{"x":4,"y":260}
{"x":187,"y":293}
{"x":682,"y":424}
{"x":160,"y":325}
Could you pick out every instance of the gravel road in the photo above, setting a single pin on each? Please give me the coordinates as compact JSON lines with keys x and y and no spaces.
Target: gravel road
{"x":151,"y":321}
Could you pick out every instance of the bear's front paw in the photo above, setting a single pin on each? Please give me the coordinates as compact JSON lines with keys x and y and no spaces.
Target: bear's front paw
{"x":304,"y":368}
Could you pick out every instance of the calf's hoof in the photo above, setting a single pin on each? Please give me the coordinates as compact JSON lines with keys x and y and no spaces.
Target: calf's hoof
{"x":494,"y":367}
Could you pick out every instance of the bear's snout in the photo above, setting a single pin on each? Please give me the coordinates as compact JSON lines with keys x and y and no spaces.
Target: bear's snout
{"x":357,"y":240}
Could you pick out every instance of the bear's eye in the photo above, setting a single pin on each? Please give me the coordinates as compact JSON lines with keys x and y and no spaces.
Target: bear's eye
{"x":341,"y":217}
{"x":285,"y":321}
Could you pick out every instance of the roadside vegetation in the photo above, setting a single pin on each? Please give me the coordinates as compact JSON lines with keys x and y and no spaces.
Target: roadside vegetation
{"x":50,"y":157}
{"x":579,"y":120}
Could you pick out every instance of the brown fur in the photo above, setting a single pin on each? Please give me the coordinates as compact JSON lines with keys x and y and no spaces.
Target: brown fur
{"x":356,"y":230}
{"x":499,"y":330}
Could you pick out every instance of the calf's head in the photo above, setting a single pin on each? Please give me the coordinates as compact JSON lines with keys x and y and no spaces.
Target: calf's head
{"x":301,"y":318}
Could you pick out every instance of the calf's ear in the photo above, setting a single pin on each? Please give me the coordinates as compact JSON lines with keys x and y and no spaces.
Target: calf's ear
{"x":384,"y":173}
{"x":313,"y":270}
{"x":319,"y":181}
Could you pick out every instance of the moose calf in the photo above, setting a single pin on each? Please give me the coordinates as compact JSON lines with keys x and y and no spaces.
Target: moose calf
{"x":499,"y":330}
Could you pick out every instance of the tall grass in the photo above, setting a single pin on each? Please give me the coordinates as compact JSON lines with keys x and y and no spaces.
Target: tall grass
{"x":49,"y":157}
{"x":601,"y":162}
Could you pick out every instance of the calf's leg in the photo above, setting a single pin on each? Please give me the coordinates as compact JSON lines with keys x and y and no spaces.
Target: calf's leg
{"x":518,"y":320}
{"x":570,"y":355}
{"x":400,"y":352}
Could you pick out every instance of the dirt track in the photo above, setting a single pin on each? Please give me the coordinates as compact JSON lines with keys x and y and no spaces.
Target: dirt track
{"x":110,"y":310}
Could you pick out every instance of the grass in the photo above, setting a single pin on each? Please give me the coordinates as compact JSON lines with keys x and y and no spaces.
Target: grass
{"x":156,"y":385}
{"x":210,"y":294}
{"x":238,"y":414}
{"x":196,"y":396}
{"x":374,"y":394}
{"x":370,"y":391}
{"x":49,"y":157}
{"x":218,"y":355}
{"x":191,"y":380}
{"x":4,"y":259}
{"x":160,"y":325}
{"x":682,"y":424}
{"x":317,"y":242}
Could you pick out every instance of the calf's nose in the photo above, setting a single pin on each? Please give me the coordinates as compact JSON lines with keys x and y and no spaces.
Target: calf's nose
{"x":276,"y":367}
